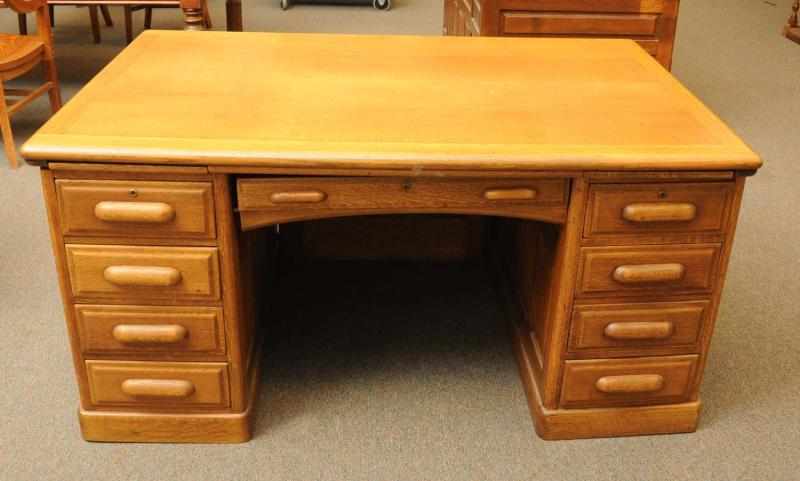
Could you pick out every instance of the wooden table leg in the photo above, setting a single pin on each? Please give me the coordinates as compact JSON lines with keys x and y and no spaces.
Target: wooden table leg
{"x":233,"y":15}
{"x":193,"y":14}
{"x":106,"y":15}
{"x":95,"y":22}
{"x":23,"y":23}
{"x":5,"y":128}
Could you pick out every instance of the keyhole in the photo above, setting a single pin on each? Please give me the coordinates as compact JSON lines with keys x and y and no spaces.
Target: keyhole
{"x":407,"y":184}
{"x":133,"y":193}
{"x":662,"y":195}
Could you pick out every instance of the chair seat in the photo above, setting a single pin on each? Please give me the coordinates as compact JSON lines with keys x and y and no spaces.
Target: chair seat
{"x":18,"y":50}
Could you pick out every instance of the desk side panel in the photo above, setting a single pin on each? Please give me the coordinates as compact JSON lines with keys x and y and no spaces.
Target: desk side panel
{"x":722,"y":270}
{"x":60,"y":256}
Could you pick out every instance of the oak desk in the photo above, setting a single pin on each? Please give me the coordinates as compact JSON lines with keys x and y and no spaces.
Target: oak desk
{"x":163,"y":176}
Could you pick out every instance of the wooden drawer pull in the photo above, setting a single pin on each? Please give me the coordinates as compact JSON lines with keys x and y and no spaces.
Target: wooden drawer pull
{"x":639,"y":330}
{"x":142,"y":276}
{"x":509,"y":194}
{"x":134,"y":212}
{"x":163,"y":388}
{"x":149,"y":334}
{"x":659,"y":212}
{"x":643,"y":273}
{"x":299,"y":197}
{"x":636,"y":383}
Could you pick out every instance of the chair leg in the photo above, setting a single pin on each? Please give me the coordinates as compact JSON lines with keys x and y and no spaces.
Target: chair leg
{"x":95,"y":23}
{"x":148,"y":17}
{"x":128,"y":24}
{"x":22,"y":19}
{"x":51,"y":75}
{"x":106,"y":15}
{"x":5,"y":127}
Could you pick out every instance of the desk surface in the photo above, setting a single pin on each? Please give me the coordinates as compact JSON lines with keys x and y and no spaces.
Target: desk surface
{"x":340,"y":101}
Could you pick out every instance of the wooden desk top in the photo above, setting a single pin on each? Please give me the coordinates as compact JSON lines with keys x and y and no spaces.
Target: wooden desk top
{"x":399,"y":102}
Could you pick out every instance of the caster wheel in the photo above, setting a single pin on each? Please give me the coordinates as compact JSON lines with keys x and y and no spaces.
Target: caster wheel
{"x":285,"y":4}
{"x":382,"y":4}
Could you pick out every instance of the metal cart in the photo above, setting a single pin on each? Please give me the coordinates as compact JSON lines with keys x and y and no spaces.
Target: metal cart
{"x":379,"y":4}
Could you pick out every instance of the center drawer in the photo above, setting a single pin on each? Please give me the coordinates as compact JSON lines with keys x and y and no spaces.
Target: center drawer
{"x":143,"y":275}
{"x":352,"y":195}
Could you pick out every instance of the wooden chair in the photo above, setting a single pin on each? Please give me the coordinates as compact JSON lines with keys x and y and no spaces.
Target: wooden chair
{"x":103,"y":9}
{"x":93,"y":18}
{"x":792,"y":29}
{"x":19,"y":54}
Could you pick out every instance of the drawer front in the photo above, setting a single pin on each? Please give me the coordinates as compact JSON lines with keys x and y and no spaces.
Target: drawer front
{"x":651,"y":271}
{"x":657,"y":208}
{"x":150,"y":331}
{"x":638,"y":329}
{"x":396,"y":193}
{"x":547,"y":23}
{"x":132,"y":208}
{"x":627,"y":382}
{"x":130,"y":274}
{"x":616,"y":6}
{"x":158,"y":385}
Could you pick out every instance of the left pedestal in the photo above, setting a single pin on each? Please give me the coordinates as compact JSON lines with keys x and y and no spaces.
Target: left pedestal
{"x":163,"y":337}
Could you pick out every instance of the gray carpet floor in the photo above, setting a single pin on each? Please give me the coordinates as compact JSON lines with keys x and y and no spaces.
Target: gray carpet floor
{"x":424,"y":403}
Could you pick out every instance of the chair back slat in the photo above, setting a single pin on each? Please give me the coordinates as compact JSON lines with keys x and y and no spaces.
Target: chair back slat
{"x":43,"y":29}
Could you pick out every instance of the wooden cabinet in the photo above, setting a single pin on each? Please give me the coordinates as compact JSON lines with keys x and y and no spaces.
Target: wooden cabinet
{"x":651,"y":23}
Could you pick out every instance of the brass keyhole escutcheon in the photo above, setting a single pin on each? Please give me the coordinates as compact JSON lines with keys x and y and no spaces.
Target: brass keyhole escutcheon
{"x":407,"y":185}
{"x":133,"y":193}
